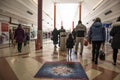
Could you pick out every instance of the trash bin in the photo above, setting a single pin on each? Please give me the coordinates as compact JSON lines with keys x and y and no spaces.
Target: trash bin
{"x":63,"y":41}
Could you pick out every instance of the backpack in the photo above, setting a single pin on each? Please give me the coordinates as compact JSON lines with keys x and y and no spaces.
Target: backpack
{"x":101,"y":55}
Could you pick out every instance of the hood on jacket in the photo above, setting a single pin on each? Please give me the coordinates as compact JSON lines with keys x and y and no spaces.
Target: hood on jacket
{"x":97,"y":24}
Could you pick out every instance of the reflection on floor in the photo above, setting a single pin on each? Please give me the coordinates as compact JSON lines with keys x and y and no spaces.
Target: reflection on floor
{"x":24,"y":66}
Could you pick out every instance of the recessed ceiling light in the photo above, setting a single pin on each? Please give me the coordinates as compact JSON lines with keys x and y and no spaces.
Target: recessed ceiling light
{"x":35,"y":1}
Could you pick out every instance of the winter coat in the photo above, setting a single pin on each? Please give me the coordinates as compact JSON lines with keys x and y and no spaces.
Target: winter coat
{"x":96,"y":32}
{"x":19,"y":35}
{"x":55,"y":34}
{"x":115,"y":33}
{"x":80,"y":30}
{"x":70,"y":43}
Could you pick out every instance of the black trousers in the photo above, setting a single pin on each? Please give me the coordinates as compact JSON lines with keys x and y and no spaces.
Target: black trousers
{"x":115,"y":52}
{"x":19,"y":47}
{"x":95,"y":50}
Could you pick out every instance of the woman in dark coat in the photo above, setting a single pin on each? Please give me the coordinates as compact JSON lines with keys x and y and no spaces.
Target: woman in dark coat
{"x":55,"y":34}
{"x":19,"y":37}
{"x":115,"y":33}
{"x":70,"y":43}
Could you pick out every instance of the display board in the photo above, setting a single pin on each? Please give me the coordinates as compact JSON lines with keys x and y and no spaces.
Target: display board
{"x":4,"y":33}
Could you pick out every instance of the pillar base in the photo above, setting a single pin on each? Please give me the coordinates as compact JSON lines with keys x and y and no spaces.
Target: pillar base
{"x":39,"y":48}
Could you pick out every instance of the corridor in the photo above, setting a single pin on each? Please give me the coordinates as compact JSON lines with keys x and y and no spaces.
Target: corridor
{"x":24,"y":66}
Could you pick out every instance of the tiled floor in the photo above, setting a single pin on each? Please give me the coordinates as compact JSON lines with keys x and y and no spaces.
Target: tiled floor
{"x":24,"y":66}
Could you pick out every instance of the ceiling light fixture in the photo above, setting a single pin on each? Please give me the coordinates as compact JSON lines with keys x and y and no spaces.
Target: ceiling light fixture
{"x":29,"y":12}
{"x":35,"y":1}
{"x":99,"y":3}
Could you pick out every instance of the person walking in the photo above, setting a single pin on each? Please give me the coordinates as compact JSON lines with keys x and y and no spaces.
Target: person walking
{"x":96,"y":35}
{"x":55,"y":34}
{"x":27,"y":37}
{"x":115,"y":33}
{"x":19,"y":37}
{"x":80,"y":34}
{"x":70,"y":44}
{"x":11,"y":37}
{"x":74,"y":34}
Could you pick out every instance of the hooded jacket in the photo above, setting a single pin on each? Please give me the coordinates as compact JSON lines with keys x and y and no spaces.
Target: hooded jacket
{"x":96,"y":32}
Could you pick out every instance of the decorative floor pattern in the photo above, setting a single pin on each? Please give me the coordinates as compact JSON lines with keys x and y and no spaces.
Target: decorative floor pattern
{"x":64,"y":70}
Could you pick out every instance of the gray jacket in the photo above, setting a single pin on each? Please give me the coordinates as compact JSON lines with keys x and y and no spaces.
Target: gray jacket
{"x":80,"y":30}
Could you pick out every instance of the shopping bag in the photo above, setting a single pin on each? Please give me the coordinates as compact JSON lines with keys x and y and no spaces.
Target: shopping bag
{"x":101,"y":55}
{"x":85,"y":42}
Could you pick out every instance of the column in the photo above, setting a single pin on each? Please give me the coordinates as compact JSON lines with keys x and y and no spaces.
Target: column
{"x":72,"y":25}
{"x":54,"y":15}
{"x":38,"y":42}
{"x":10,"y":20}
{"x":80,"y":11}
{"x":61,"y":23}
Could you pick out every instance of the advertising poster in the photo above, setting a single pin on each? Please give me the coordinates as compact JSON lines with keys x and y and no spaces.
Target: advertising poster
{"x":4,"y":35}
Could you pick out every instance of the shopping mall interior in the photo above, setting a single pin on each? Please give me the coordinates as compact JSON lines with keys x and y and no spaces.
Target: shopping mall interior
{"x":39,"y":59}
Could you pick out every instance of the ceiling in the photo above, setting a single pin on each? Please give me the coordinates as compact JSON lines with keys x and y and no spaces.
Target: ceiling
{"x":25,"y":11}
{"x":18,"y":9}
{"x":68,"y":1}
